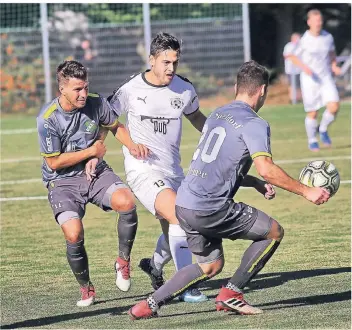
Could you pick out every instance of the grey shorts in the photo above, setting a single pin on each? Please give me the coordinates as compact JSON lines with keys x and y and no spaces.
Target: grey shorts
{"x":205,"y":231}
{"x":69,"y":196}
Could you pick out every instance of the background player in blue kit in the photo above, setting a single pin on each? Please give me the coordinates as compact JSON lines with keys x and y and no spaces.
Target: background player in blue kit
{"x":68,"y":129}
{"x":234,"y":137}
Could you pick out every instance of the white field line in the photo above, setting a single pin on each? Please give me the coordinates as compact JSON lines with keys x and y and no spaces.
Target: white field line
{"x":282,"y":161}
{"x":109,"y":153}
{"x":18,"y":131}
{"x":15,"y":199}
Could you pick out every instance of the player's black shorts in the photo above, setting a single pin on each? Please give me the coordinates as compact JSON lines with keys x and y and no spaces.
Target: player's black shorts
{"x":73,"y":193}
{"x":233,"y":221}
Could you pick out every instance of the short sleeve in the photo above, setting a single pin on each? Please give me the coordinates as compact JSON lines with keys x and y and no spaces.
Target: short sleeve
{"x":49,"y":140}
{"x":193,"y":104}
{"x":119,"y":101}
{"x":256,"y":136}
{"x":287,"y":50}
{"x":108,"y":117}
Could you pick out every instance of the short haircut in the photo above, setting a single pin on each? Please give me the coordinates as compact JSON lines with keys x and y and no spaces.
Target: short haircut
{"x":250,"y":77}
{"x":164,"y":41}
{"x":71,"y":69}
{"x":313,"y":12}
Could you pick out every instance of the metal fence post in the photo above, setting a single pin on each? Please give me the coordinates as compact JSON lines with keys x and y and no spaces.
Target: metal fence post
{"x":46,"y":57}
{"x":147,"y":32}
{"x":246,"y":32}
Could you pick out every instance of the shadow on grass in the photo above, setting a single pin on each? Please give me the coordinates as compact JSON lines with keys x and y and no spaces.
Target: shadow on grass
{"x":262,"y":281}
{"x":269,"y":280}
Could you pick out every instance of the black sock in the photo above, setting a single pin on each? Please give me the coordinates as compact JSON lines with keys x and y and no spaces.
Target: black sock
{"x":253,"y":260}
{"x":179,"y":283}
{"x":78,"y":261}
{"x":126,"y":229}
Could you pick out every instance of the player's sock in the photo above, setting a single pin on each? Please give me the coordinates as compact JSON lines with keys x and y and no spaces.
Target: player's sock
{"x":253,"y":260}
{"x":78,"y":261}
{"x":311,"y":129}
{"x":179,"y":283}
{"x":126,"y":229}
{"x":327,"y":119}
{"x":181,"y":255}
{"x":162,"y":254}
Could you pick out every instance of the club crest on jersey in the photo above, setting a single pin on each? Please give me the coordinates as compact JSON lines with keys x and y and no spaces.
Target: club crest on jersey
{"x":91,"y":126}
{"x":177,"y":103}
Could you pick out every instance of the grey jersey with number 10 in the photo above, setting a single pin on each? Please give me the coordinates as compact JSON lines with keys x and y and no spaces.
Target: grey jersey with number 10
{"x":232,"y":137}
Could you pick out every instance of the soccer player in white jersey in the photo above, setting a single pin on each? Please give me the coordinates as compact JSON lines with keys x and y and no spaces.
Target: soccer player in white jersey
{"x":154,"y":102}
{"x":316,"y":55}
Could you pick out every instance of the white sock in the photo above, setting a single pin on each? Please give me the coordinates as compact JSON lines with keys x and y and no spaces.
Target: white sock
{"x":311,"y":129}
{"x":327,"y":119}
{"x":162,"y":254}
{"x":181,"y":255}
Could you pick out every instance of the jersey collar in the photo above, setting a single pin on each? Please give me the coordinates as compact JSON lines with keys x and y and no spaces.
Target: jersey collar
{"x":150,"y":84}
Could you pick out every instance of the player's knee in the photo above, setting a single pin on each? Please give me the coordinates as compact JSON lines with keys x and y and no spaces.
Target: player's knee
{"x":213,"y":268}
{"x":74,"y":237}
{"x":333,"y":107}
{"x":276,"y":232}
{"x":312,"y":114}
{"x":122,"y":201}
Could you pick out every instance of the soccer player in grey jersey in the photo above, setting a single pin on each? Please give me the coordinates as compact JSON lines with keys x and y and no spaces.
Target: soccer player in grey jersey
{"x":68,"y":129}
{"x":233,"y":137}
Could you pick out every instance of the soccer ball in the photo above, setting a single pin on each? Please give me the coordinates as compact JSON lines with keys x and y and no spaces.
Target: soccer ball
{"x":321,"y":173}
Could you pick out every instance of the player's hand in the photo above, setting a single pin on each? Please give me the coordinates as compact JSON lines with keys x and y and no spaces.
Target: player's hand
{"x":266,"y":189}
{"x":336,"y":70}
{"x":317,"y":195}
{"x":138,"y":150}
{"x":99,"y":149}
{"x":90,"y":168}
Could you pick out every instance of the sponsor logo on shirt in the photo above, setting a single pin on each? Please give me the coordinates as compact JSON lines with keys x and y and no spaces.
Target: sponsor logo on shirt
{"x":160,"y":123}
{"x":91,"y":126}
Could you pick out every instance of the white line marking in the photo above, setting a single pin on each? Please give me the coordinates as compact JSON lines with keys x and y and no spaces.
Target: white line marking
{"x":15,"y":199}
{"x":18,"y":131}
{"x":283,"y":161}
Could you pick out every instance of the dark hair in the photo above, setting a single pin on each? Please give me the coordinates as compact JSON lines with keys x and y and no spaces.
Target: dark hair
{"x":250,"y":77}
{"x":71,"y":69}
{"x":164,"y":41}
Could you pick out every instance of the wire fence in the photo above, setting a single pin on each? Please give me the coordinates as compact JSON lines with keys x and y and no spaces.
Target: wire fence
{"x":110,"y":40}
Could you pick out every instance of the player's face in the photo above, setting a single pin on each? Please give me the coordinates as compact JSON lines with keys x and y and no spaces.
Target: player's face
{"x":315,"y":23}
{"x":164,"y":66}
{"x":74,"y":93}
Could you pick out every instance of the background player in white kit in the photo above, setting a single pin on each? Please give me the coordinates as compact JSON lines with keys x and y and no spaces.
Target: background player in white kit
{"x":315,"y":54}
{"x":154,"y":102}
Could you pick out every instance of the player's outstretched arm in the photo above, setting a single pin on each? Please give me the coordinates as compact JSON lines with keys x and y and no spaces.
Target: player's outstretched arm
{"x":266,"y":189}
{"x":68,"y":159}
{"x":137,"y":150}
{"x":297,"y":61}
{"x":197,"y":119}
{"x":278,"y":177}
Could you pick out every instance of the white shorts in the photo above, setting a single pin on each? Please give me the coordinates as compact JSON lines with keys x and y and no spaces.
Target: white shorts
{"x":146,"y":185}
{"x":317,"y":92}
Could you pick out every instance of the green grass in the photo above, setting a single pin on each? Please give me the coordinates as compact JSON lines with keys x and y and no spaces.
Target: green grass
{"x":305,"y":285}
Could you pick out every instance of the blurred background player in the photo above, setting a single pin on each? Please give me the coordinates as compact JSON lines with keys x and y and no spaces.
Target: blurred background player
{"x":68,"y":129}
{"x":292,"y":71}
{"x":316,"y":56}
{"x":234,"y":137}
{"x":154,"y":102}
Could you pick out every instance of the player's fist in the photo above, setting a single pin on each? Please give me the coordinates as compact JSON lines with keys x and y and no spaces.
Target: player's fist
{"x":317,"y":195}
{"x":270,"y":191}
{"x":99,"y":149}
{"x":138,"y":151}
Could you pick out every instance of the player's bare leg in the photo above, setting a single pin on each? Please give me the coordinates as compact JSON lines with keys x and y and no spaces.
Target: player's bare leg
{"x":311,"y":124}
{"x":78,"y":260}
{"x":328,"y":117}
{"x":122,"y":201}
